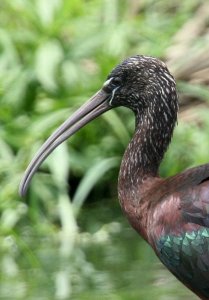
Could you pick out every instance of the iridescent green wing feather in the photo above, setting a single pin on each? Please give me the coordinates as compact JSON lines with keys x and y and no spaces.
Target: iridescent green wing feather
{"x":187,"y":257}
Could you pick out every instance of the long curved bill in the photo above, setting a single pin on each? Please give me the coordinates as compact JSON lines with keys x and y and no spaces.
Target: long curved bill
{"x":96,"y":105}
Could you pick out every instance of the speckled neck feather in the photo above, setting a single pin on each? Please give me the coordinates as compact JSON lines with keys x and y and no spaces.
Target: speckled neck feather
{"x":153,"y":132}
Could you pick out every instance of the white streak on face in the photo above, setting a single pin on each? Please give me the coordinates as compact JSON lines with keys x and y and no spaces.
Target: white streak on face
{"x":107,"y":82}
{"x":113,"y":93}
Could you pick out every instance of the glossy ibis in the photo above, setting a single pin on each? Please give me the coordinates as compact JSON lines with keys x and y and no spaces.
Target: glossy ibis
{"x":171,"y":214}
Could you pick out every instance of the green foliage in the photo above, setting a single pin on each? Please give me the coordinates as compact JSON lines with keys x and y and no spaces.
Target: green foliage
{"x":189,"y":147}
{"x":54,"y":54}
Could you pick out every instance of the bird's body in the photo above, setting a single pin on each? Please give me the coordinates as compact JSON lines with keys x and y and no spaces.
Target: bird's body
{"x":175,"y":224}
{"x":171,"y":214}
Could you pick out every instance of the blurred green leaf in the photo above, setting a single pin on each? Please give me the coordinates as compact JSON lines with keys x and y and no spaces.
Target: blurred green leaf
{"x":194,"y":90}
{"x":48,"y":58}
{"x":118,"y":127}
{"x":93,"y":175}
{"x":47,"y":10}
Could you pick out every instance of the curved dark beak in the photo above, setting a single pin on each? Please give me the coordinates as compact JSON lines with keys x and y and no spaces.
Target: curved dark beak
{"x":96,"y":105}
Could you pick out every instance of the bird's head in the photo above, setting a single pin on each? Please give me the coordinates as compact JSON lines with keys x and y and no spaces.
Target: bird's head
{"x":139,"y":83}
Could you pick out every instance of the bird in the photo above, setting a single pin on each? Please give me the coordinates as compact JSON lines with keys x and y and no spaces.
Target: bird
{"x":171,"y":214}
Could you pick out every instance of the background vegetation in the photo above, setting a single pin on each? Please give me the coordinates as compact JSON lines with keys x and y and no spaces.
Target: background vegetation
{"x":54,"y":54}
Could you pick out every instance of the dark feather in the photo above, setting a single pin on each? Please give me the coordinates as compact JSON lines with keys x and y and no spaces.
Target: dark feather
{"x":187,"y":257}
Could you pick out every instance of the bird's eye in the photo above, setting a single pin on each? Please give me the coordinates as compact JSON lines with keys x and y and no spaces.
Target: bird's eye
{"x":116,"y":81}
{"x":112,"y":83}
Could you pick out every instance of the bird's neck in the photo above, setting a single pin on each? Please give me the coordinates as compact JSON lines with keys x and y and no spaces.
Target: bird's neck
{"x":144,"y":153}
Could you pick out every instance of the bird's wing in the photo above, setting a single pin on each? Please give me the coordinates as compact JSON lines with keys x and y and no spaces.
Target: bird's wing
{"x":181,"y":230}
{"x":195,"y":204}
{"x":183,"y":246}
{"x":193,"y":189}
{"x":189,"y":178}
